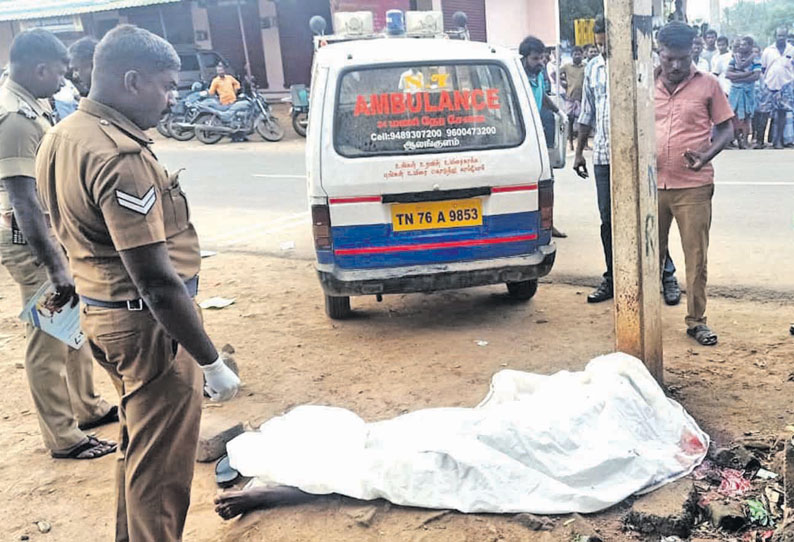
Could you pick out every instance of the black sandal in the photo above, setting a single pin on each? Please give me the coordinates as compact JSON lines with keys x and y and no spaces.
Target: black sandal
{"x":702,"y":334}
{"x":103,"y":447}
{"x":111,"y":417}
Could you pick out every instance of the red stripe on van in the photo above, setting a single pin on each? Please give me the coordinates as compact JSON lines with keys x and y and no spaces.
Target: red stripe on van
{"x":435,"y":246}
{"x":517,"y":188}
{"x":359,"y":199}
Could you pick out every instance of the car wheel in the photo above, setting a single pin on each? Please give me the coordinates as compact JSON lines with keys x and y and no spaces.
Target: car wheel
{"x":522,"y":291}
{"x":337,"y":308}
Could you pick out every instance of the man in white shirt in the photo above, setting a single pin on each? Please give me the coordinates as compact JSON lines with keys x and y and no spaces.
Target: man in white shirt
{"x":697,"y":49}
{"x":776,"y":63}
{"x":719,"y":64}
{"x":710,"y":52}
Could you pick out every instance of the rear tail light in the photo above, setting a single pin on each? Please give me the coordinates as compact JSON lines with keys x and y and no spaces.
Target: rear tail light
{"x":321,"y":227}
{"x":546,"y":204}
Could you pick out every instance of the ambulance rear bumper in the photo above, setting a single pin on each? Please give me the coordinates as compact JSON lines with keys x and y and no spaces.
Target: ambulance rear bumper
{"x":433,"y":277}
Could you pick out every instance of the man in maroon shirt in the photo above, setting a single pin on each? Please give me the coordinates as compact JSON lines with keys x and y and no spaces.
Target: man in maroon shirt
{"x":688,"y":103}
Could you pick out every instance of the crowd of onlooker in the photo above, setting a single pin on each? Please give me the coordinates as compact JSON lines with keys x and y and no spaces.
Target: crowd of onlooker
{"x":759,"y":83}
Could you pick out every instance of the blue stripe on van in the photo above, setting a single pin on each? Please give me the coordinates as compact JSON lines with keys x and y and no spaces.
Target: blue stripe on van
{"x":381,"y":235}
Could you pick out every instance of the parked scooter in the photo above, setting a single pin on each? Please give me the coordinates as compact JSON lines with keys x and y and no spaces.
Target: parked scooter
{"x":299,"y":96}
{"x":184,"y":114}
{"x":250,"y":113}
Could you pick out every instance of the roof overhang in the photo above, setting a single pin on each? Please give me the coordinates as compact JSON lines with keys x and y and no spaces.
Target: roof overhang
{"x":21,"y":10}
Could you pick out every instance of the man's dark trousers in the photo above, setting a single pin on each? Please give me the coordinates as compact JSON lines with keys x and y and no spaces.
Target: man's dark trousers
{"x":604,"y":193}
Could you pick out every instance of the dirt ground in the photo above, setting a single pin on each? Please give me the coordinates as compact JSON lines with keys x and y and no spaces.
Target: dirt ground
{"x":409,"y":352}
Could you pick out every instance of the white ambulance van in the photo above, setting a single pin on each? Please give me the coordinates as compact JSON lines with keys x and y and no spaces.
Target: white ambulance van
{"x":427,"y":169}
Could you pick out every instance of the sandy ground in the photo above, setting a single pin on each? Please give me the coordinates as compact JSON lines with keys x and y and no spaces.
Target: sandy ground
{"x":409,"y":352}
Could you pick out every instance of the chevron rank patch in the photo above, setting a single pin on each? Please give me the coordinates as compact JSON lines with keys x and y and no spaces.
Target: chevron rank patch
{"x":140,"y":205}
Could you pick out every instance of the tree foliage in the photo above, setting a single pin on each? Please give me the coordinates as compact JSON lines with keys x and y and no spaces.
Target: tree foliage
{"x":758,"y":19}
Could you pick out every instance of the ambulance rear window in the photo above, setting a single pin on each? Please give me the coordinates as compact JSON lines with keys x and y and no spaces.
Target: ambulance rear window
{"x":424,"y":108}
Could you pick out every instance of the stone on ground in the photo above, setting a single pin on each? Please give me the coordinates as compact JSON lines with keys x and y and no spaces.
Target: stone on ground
{"x":215,"y":432}
{"x":668,"y":511}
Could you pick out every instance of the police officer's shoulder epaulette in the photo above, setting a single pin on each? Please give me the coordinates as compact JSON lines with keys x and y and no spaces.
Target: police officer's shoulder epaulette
{"x":125,"y":144}
{"x":24,"y":109}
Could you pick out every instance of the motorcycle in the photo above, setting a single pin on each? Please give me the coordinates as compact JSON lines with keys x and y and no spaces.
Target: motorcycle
{"x":250,"y":113}
{"x":180,"y":121}
{"x":299,"y":96}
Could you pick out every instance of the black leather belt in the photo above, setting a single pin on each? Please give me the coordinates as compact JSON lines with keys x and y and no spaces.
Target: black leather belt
{"x":136,"y":304}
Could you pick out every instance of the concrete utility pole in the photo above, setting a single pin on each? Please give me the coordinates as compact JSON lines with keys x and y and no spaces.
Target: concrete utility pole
{"x":635,"y":236}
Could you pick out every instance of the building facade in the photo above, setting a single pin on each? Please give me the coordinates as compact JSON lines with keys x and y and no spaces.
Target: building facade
{"x":268,"y":39}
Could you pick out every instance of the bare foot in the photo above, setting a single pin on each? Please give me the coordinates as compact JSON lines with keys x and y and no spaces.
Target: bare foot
{"x":234,"y":503}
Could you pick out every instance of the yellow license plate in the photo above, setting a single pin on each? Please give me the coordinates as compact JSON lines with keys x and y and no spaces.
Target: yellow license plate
{"x":436,"y":215}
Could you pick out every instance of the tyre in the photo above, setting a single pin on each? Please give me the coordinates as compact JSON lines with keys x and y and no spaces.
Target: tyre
{"x":162,"y":126}
{"x":522,"y":291}
{"x":300,"y":123}
{"x":337,"y":308}
{"x":206,"y":136}
{"x":269,"y":129}
{"x":180,"y":134}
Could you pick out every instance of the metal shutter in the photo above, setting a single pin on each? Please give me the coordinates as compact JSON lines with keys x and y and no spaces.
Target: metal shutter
{"x":475,"y":9}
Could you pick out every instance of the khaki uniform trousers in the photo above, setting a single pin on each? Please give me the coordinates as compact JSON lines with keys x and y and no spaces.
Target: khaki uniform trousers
{"x":61,"y":379}
{"x":691,"y":209}
{"x":160,"y":386}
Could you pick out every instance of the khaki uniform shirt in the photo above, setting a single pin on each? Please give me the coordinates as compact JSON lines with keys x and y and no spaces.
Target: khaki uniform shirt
{"x":23,"y":122}
{"x":106,"y":193}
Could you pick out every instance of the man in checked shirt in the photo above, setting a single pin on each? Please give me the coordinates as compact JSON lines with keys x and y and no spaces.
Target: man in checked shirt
{"x":595,"y":116}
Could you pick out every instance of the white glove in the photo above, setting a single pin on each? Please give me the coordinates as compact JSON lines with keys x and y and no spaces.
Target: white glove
{"x":221,"y":382}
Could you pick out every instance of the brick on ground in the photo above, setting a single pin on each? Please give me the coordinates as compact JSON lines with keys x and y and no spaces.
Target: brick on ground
{"x":215,"y":432}
{"x":668,"y":511}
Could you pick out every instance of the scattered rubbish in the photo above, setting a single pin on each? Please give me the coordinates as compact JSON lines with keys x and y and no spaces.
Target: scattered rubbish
{"x":208,"y":253}
{"x":19,"y":365}
{"x":535,"y":523}
{"x":737,"y":457}
{"x":43,"y":526}
{"x":363,"y":516}
{"x":287,"y":245}
{"x":728,"y":516}
{"x":671,"y":539}
{"x":481,"y":343}
{"x":733,"y":483}
{"x":216,"y":303}
{"x":774,"y":498}
{"x":758,"y":513}
{"x":24,"y":537}
{"x":764,"y":474}
{"x":435,"y":516}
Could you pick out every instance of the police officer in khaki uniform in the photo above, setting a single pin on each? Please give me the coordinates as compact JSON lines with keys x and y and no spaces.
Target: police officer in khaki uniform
{"x":135,"y":257}
{"x":60,"y":378}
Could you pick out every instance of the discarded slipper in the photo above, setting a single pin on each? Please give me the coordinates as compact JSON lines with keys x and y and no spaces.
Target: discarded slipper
{"x":111,"y":417}
{"x":225,"y":475}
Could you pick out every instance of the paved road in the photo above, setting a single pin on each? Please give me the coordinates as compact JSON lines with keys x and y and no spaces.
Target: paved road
{"x":252,"y":197}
